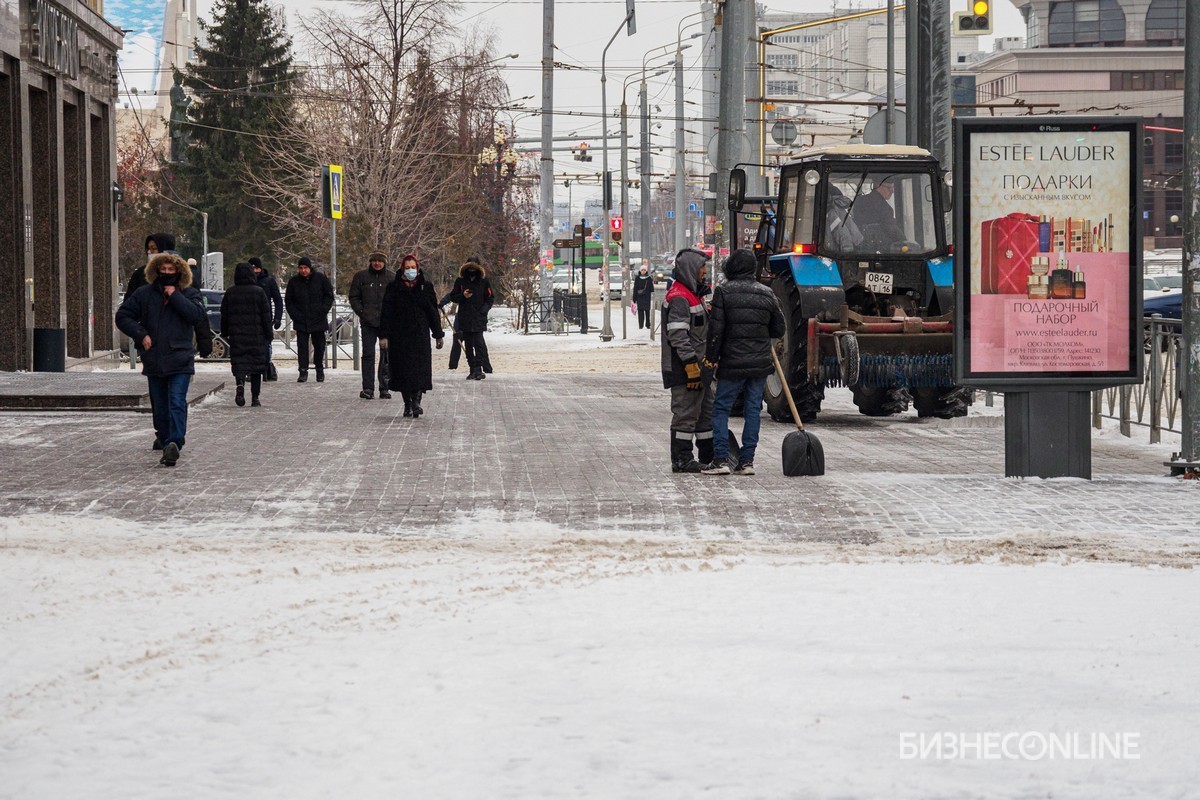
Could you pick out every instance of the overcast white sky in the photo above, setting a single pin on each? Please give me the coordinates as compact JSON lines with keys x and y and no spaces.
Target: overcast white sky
{"x":582,"y":28}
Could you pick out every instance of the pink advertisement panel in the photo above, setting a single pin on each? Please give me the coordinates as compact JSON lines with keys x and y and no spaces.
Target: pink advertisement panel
{"x":1049,"y":263}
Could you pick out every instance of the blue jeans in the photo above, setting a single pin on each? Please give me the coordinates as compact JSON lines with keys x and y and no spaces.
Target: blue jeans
{"x":727,"y":392}
{"x":168,"y":400}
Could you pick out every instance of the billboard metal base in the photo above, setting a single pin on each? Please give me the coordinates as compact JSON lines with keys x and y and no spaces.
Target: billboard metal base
{"x":1047,"y":434}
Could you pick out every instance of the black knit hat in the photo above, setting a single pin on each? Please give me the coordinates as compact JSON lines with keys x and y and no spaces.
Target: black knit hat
{"x":474,"y":260}
{"x":255,"y":262}
{"x":304,"y":262}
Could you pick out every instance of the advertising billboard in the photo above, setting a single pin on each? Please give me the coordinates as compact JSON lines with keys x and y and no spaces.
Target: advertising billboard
{"x":1048,"y":251}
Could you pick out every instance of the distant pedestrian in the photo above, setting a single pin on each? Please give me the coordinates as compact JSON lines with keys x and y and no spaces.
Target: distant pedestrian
{"x":155,"y":243}
{"x":366,"y":298}
{"x":408,"y":318}
{"x":162,"y":317}
{"x":308,"y":299}
{"x":685,"y":332}
{"x":246,"y":325}
{"x":473,"y":294}
{"x":268,"y":284}
{"x":744,"y":318}
{"x":455,"y":337}
{"x":643,"y":296}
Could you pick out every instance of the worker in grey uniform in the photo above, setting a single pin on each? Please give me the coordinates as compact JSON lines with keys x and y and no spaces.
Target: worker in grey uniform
{"x":685,"y":333}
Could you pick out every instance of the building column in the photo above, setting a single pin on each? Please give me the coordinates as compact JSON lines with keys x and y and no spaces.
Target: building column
{"x":101,"y":161}
{"x":77,"y":275}
{"x":13,"y":346}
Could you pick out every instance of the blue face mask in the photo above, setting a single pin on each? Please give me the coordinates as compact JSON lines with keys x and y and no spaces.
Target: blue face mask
{"x":410,"y":274}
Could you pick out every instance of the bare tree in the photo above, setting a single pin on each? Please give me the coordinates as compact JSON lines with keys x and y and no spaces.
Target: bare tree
{"x":409,"y":114}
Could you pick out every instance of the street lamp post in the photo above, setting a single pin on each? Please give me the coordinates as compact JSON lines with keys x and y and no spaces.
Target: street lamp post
{"x":625,"y":181}
{"x":606,"y":333}
{"x":680,"y":161}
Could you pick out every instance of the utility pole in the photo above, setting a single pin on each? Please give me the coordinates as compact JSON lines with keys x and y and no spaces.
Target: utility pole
{"x":680,"y":162}
{"x":912,"y":69}
{"x":546,"y":163}
{"x":645,"y":167}
{"x":731,"y":111}
{"x":891,"y":71}
{"x":939,"y":82}
{"x":1188,"y":459}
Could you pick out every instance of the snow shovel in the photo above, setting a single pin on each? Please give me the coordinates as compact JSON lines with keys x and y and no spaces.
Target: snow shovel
{"x":802,"y":452}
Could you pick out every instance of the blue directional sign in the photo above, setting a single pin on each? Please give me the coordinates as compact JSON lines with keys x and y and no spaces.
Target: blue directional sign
{"x":670,"y":215}
{"x":692,"y":206}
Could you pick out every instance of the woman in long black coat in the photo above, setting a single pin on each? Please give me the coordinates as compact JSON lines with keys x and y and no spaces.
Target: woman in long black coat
{"x":246,"y":325}
{"x":407,"y":321}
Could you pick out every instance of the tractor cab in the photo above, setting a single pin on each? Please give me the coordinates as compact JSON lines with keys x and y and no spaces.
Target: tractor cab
{"x":856,"y":252}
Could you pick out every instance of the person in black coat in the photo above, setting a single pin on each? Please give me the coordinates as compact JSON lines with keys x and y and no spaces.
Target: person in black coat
{"x":473,"y":294}
{"x":155,"y":243}
{"x":268,"y":284}
{"x":643,"y":296}
{"x":246,"y":324}
{"x":366,"y":298}
{"x":162,"y":318}
{"x":408,"y":318}
{"x":743,"y":319}
{"x":308,"y":298}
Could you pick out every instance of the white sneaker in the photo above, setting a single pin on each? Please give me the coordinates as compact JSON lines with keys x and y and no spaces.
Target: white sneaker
{"x":716,"y":469}
{"x":745,"y":469}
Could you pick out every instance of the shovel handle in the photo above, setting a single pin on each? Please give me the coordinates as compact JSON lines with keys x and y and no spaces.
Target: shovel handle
{"x":787,"y":391}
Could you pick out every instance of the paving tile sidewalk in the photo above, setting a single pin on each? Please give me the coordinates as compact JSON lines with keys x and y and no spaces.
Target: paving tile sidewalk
{"x":586,"y":452}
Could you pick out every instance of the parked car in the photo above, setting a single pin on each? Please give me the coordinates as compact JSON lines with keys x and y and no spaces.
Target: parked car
{"x":1153,"y":285}
{"x":1169,"y":305}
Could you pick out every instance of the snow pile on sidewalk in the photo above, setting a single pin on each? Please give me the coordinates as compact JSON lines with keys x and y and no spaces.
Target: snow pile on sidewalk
{"x":539,"y":662}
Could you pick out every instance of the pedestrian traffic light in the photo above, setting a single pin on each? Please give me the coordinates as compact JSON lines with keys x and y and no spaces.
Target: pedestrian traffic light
{"x":616,"y":224}
{"x":976,"y":22}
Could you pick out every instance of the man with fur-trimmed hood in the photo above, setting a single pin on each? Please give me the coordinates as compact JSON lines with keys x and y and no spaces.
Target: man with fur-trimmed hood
{"x":473,"y":294}
{"x":162,"y":318}
{"x":685,"y":334}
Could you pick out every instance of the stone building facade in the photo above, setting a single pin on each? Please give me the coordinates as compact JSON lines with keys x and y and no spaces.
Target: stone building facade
{"x":58,"y":88}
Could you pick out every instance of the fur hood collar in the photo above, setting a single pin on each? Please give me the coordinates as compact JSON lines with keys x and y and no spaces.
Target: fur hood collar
{"x":462,"y":271}
{"x":181,"y":266}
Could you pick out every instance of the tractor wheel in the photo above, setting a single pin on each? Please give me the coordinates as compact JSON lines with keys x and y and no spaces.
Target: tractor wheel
{"x":793,"y":357}
{"x":941,"y":401}
{"x":881,"y":402}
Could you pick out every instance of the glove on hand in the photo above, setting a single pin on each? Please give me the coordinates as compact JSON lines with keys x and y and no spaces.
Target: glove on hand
{"x":382,"y":344}
{"x":693,"y":375}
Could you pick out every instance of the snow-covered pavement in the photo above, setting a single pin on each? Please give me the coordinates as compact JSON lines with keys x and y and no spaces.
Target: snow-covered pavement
{"x":513,"y":597}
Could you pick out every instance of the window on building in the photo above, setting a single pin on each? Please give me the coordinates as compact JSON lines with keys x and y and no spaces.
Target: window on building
{"x":1165,"y":20}
{"x":783,"y":60}
{"x":1033,"y":27}
{"x":1085,"y":22}
{"x":777,"y":88}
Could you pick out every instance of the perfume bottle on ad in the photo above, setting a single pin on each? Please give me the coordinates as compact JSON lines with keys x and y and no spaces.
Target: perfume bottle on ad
{"x":1078,"y":285}
{"x":1043,"y":234}
{"x":1061,"y":280}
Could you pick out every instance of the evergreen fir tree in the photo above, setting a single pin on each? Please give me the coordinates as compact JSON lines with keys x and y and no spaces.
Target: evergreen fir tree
{"x":241,"y":83}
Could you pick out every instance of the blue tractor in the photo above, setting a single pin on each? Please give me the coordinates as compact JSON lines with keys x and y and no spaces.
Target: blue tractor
{"x":855,"y":249}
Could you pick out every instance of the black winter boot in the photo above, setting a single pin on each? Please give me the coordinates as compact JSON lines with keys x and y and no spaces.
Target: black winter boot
{"x":408,"y":410}
{"x":320,"y":373}
{"x":704,"y":447}
{"x":416,"y":404}
{"x":240,"y":396}
{"x":681,"y":453}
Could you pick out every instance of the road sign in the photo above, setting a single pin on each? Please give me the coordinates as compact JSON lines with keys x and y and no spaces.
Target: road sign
{"x":562,"y":244}
{"x":784,"y":133}
{"x":875,"y":131}
{"x":582,"y":231}
{"x":670,"y":215}
{"x":692,"y":206}
{"x":331,"y":192}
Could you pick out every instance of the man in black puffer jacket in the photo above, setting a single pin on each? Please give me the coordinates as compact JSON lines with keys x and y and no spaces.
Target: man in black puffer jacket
{"x":246,"y":324}
{"x":308,"y":298}
{"x":744,"y":318}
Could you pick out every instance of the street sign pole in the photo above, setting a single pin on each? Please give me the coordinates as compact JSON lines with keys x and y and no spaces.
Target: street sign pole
{"x":333,"y":279}
{"x":583,"y":315}
{"x":1188,"y":459}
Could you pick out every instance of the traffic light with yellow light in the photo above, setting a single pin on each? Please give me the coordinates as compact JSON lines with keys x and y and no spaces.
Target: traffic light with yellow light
{"x":976,"y":22}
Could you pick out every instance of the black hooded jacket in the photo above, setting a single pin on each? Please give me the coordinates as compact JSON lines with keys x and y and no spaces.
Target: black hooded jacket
{"x":472,"y":311}
{"x":246,"y":322}
{"x":643,"y":288}
{"x":743,"y":319}
{"x":166,"y":244}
